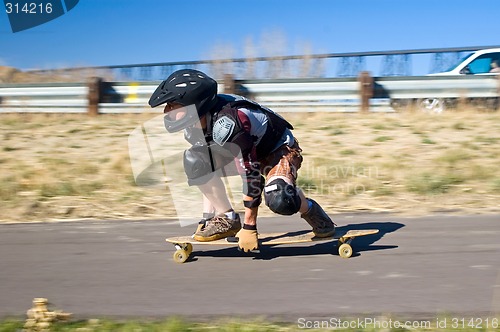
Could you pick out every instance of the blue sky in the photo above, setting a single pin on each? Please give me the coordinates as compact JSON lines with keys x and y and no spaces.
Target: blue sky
{"x":114,"y":32}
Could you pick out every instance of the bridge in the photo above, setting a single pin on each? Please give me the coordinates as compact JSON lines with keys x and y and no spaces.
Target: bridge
{"x":379,"y":63}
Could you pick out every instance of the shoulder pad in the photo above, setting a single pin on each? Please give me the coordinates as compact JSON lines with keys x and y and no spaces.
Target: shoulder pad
{"x":223,"y":128}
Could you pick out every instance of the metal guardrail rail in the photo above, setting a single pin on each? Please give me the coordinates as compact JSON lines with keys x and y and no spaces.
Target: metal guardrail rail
{"x":286,"y":95}
{"x":40,"y":98}
{"x":480,"y":86}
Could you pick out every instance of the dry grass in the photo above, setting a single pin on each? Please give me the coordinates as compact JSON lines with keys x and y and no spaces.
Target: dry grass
{"x":407,"y":163}
{"x":72,"y":166}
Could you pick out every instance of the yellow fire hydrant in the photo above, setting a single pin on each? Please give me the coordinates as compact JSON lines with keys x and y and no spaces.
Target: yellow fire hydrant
{"x":40,"y":318}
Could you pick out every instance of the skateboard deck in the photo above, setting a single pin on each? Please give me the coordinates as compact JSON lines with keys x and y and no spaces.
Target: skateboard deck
{"x":184,"y":244}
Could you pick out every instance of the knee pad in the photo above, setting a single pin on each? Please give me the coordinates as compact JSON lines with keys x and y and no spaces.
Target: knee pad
{"x":198,"y":165}
{"x":281,"y":197}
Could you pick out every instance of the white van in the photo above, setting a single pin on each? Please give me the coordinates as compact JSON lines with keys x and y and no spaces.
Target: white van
{"x":481,"y":62}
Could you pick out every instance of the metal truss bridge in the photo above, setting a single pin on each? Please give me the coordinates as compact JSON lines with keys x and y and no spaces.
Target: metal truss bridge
{"x":379,"y":63}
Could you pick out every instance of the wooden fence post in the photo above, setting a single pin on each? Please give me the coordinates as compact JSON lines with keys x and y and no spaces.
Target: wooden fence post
{"x":94,"y":95}
{"x":229,"y":84}
{"x":365,"y":90}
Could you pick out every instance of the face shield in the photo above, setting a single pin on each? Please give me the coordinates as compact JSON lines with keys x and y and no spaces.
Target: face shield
{"x":157,"y":162}
{"x":178,"y":117}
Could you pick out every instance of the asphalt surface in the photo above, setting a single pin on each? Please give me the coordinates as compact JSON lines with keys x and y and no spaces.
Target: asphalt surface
{"x":415,"y":266}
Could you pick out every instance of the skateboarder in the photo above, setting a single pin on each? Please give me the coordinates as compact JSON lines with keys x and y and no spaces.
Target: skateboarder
{"x":230,"y":130}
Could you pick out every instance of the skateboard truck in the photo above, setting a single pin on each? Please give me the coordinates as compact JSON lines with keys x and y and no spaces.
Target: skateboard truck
{"x":183,"y":252}
{"x":344,"y":247}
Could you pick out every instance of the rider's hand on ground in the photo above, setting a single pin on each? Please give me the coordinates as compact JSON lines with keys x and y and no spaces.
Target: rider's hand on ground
{"x":247,"y":240}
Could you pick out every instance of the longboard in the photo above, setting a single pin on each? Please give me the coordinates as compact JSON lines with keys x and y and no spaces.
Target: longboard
{"x":184,"y":244}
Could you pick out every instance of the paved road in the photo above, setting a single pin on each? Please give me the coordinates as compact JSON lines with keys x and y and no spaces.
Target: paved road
{"x":417,"y":266}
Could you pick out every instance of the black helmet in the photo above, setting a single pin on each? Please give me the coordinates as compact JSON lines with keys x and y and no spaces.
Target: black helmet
{"x":186,"y":87}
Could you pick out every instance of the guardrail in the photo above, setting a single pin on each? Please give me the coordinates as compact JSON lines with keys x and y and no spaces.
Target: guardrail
{"x":53,"y":98}
{"x":480,"y":86}
{"x":287,"y":95}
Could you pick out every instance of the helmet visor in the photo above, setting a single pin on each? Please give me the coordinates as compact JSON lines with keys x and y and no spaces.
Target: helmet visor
{"x":178,"y":117}
{"x":174,"y":111}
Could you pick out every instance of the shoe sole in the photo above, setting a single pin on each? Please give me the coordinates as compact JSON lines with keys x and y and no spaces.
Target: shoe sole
{"x":214,"y":237}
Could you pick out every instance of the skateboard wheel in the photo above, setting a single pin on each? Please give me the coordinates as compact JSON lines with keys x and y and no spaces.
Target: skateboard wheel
{"x":180,"y":256}
{"x":188,"y":248}
{"x":345,"y":250}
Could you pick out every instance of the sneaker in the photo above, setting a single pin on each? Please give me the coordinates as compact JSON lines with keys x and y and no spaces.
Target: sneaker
{"x":203,"y":222}
{"x":321,"y":223}
{"x":219,"y":227}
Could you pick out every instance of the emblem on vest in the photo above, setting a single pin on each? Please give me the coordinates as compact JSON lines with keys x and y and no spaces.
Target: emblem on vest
{"x":223,"y":128}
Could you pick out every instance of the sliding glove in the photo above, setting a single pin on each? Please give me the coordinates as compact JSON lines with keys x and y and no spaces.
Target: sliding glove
{"x":247,"y":238}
